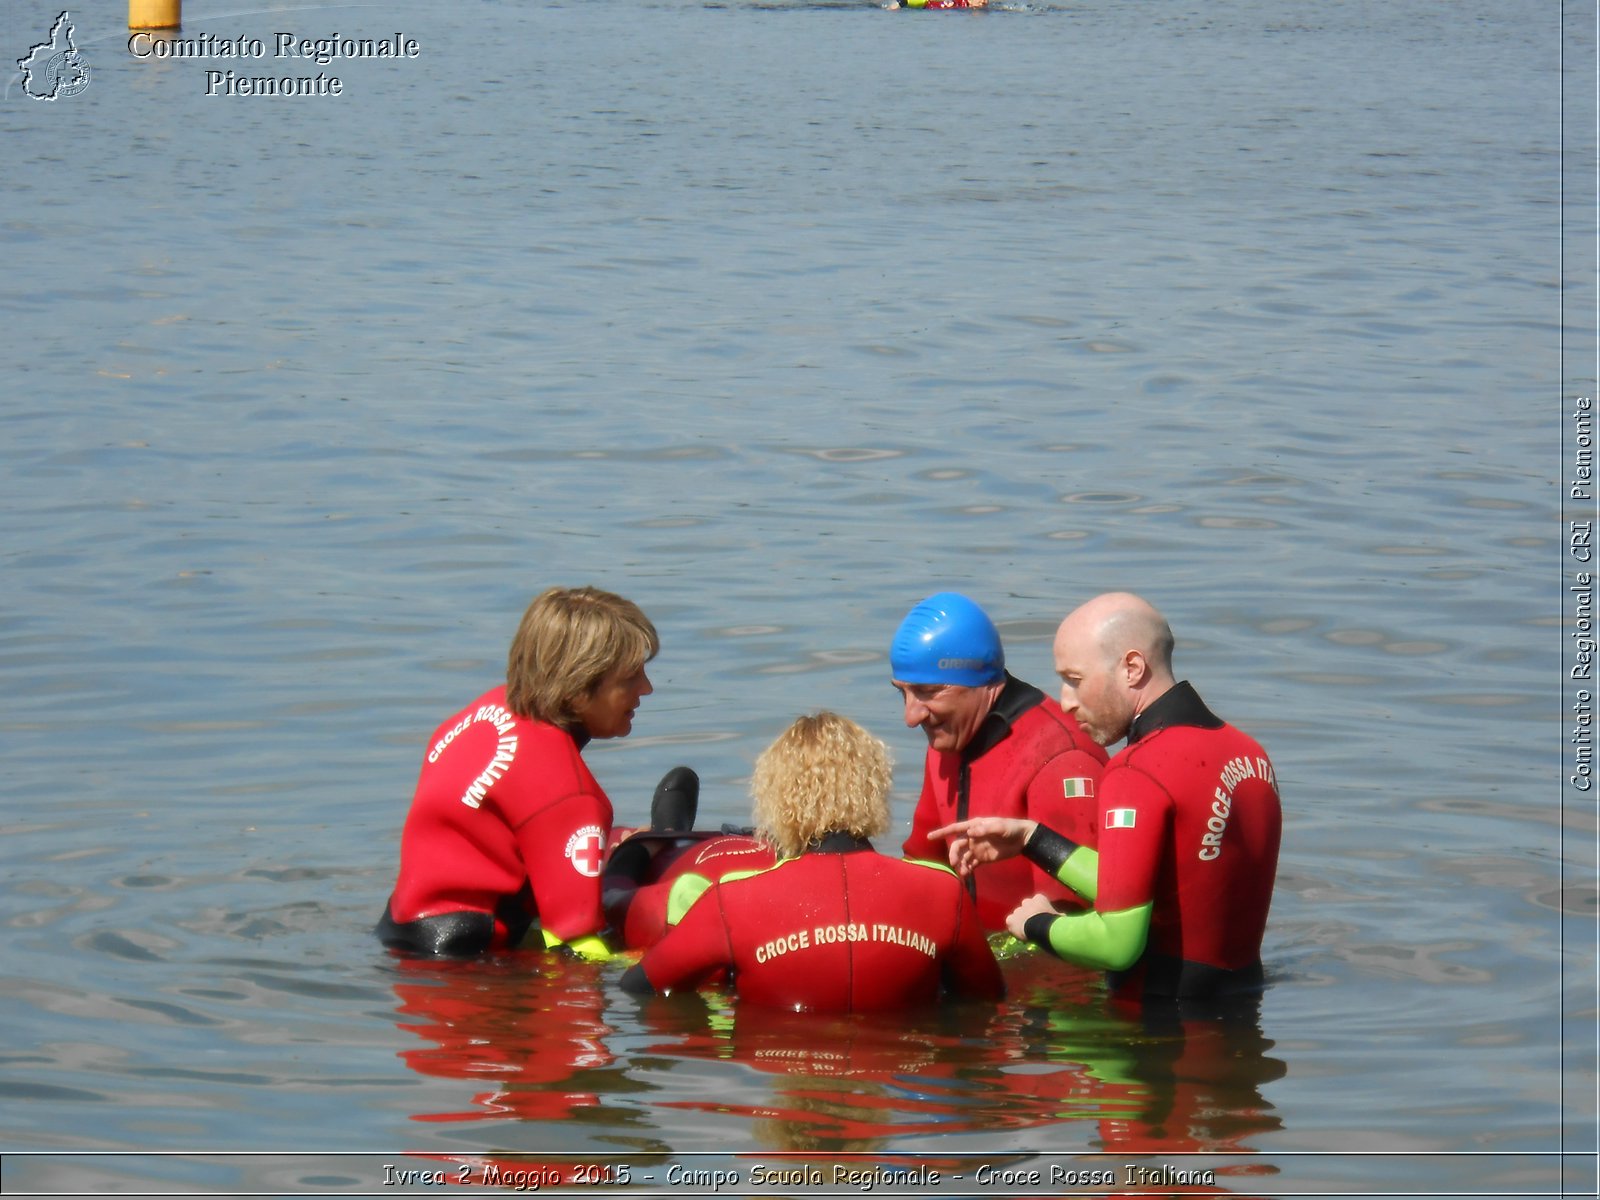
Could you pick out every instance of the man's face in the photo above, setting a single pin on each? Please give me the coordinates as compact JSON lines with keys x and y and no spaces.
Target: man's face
{"x":607,"y":711}
{"x":1090,"y":687}
{"x":947,"y":714}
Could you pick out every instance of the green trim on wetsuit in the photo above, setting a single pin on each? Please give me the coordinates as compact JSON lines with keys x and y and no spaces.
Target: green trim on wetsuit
{"x":689,"y":887}
{"x":1112,"y":941}
{"x":1081,"y":872}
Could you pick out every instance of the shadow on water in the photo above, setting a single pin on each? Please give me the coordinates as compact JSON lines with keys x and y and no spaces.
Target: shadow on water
{"x":540,"y":1039}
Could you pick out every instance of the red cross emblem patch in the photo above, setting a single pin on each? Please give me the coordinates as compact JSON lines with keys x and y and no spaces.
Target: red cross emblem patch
{"x":586,"y":850}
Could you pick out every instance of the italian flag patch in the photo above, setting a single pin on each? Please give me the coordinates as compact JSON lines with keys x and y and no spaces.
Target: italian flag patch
{"x":1075,"y":788}
{"x":1119,"y":818}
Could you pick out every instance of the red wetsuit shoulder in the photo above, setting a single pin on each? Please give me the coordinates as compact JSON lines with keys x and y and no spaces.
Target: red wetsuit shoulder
{"x":503,"y":806}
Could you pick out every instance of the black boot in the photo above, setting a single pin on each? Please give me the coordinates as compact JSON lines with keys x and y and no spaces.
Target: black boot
{"x":677,"y":798}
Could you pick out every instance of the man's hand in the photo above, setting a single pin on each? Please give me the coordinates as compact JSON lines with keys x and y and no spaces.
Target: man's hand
{"x":984,"y":840}
{"x":1031,"y":907}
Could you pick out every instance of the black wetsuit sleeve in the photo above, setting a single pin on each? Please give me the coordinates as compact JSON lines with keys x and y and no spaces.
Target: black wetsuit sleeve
{"x":443,"y":935}
{"x":1048,"y":850}
{"x":1037,"y":928}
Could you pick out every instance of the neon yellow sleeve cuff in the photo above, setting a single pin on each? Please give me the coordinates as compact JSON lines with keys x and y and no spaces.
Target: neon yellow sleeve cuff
{"x":589,"y":946}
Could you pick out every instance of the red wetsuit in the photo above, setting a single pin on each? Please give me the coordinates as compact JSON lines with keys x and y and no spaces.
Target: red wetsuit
{"x":1028,"y":759}
{"x":841,"y":928}
{"x":642,"y":916}
{"x":1189,"y":827}
{"x":507,"y":824}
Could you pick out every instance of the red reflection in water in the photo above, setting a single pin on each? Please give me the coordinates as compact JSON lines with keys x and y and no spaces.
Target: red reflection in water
{"x":1057,"y":1052}
{"x":531,"y":1026}
{"x":535,"y":1029}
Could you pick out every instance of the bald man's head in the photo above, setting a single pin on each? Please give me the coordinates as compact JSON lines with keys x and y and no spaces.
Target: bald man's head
{"x":1114,"y":656}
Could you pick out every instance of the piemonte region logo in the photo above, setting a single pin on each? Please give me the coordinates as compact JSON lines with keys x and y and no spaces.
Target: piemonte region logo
{"x":55,"y":68}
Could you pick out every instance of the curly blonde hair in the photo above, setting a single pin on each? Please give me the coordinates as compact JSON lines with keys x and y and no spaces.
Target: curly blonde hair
{"x":569,"y":640}
{"x":823,"y":774}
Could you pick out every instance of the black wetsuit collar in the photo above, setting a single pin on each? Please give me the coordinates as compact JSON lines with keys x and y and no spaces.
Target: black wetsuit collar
{"x":836,"y":842}
{"x":1014,"y":699}
{"x":579,"y":735}
{"x":1178,"y":705}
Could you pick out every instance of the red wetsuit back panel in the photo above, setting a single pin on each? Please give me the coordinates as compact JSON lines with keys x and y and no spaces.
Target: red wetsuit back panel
{"x":835,"y":932}
{"x":1191,"y":822}
{"x":1045,"y":769}
{"x":502,"y":801}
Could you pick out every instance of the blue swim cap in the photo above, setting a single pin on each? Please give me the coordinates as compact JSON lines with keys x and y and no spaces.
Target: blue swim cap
{"x":947,"y":639}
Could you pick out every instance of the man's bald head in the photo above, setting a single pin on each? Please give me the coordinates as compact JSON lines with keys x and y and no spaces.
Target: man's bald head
{"x":1117,"y":622}
{"x":1114,"y":656}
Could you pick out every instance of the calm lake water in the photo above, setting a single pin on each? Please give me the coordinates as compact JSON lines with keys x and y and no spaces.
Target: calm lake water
{"x":776,"y":317}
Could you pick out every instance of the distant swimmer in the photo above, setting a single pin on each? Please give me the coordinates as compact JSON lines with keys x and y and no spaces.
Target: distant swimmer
{"x":507,"y":825}
{"x":997,"y":747}
{"x":1189,"y":820}
{"x":835,"y":926}
{"x":937,"y":4}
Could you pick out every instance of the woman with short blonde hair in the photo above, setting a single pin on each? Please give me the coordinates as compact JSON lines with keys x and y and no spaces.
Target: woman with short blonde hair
{"x":568,"y":641}
{"x":507,"y":826}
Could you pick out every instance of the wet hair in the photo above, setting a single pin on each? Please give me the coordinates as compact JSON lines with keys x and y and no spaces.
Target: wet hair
{"x":569,"y":640}
{"x":824,"y":774}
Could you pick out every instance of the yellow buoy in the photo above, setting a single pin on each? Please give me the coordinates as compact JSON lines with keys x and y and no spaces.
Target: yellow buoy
{"x":155,"y":14}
